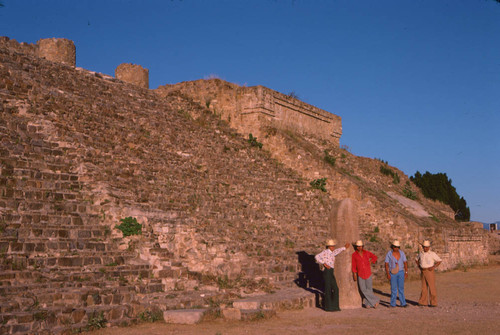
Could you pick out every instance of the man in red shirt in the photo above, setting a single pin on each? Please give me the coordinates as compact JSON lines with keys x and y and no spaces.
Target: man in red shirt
{"x":362,"y":273}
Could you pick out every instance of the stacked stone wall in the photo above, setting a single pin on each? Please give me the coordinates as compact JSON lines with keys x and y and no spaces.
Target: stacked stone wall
{"x":25,"y":48}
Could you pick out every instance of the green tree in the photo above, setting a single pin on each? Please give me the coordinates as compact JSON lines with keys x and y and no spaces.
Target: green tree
{"x":438,"y":187}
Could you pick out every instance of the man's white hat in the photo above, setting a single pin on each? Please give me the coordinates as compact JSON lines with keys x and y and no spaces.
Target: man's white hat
{"x":396,"y":243}
{"x":359,"y":243}
{"x":426,"y":243}
{"x":331,"y":243}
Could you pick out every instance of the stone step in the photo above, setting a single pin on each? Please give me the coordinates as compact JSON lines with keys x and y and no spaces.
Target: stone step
{"x":60,"y":263}
{"x":39,"y":232}
{"x":68,"y":320}
{"x":284,"y":299}
{"x":87,"y":281}
{"x":14,"y":247}
{"x":74,"y":260}
{"x":184,"y":316}
{"x":249,"y":309}
{"x":83,"y":219}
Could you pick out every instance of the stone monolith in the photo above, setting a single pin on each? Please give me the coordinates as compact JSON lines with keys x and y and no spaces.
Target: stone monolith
{"x":344,"y":228}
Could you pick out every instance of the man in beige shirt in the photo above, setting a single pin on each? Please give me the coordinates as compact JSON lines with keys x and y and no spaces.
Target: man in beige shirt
{"x":427,"y":261}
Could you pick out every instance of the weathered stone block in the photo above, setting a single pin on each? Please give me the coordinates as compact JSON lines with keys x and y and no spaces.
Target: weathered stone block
{"x":184,"y":316}
{"x":231,"y":313}
{"x":246,"y":304}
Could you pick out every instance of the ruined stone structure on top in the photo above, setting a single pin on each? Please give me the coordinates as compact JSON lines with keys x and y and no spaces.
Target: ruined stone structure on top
{"x":133,"y":74}
{"x":250,"y":109}
{"x":59,"y":50}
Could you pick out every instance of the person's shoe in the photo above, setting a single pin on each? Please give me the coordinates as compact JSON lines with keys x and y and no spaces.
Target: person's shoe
{"x":391,"y":306}
{"x":405,"y":306}
{"x":433,"y":306}
{"x":421,"y":305}
{"x":376,"y":305}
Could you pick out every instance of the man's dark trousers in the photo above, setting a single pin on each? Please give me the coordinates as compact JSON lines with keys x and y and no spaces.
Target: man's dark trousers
{"x":331,"y":301}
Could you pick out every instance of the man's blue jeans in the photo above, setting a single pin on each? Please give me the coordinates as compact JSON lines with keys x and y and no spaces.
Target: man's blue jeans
{"x":398,"y":286}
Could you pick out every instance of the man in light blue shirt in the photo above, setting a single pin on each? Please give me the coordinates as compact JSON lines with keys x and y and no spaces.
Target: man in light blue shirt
{"x":396,"y":268}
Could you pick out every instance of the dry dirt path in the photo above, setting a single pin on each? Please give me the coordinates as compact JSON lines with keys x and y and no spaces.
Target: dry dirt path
{"x":469,"y":303}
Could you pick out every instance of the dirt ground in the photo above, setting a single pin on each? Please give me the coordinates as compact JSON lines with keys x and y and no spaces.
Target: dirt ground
{"x":469,"y":303}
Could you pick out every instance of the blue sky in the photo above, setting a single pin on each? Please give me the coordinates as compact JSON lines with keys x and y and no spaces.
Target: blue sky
{"x":415,"y":81}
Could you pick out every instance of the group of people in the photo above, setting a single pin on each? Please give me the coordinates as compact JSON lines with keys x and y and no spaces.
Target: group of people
{"x":396,"y":268}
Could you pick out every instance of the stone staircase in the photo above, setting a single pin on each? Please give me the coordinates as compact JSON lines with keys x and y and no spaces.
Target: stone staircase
{"x":248,"y":309}
{"x":81,"y":150}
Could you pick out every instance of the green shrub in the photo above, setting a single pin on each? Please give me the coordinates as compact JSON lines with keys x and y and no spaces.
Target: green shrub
{"x":329,"y":159}
{"x":97,"y":321}
{"x":129,"y":226}
{"x":433,"y":217}
{"x":253,"y":141}
{"x":408,"y":192}
{"x":151,"y":316}
{"x":388,"y":172}
{"x":224,"y":282}
{"x":207,"y":102}
{"x":319,"y":184}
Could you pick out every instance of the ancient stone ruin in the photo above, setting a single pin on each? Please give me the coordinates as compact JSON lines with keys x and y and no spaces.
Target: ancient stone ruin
{"x":59,"y":50}
{"x":251,"y":109}
{"x":223,"y":227}
{"x":133,"y":74}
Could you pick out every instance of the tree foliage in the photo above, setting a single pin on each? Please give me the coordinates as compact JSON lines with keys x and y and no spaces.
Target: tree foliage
{"x":438,"y":187}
